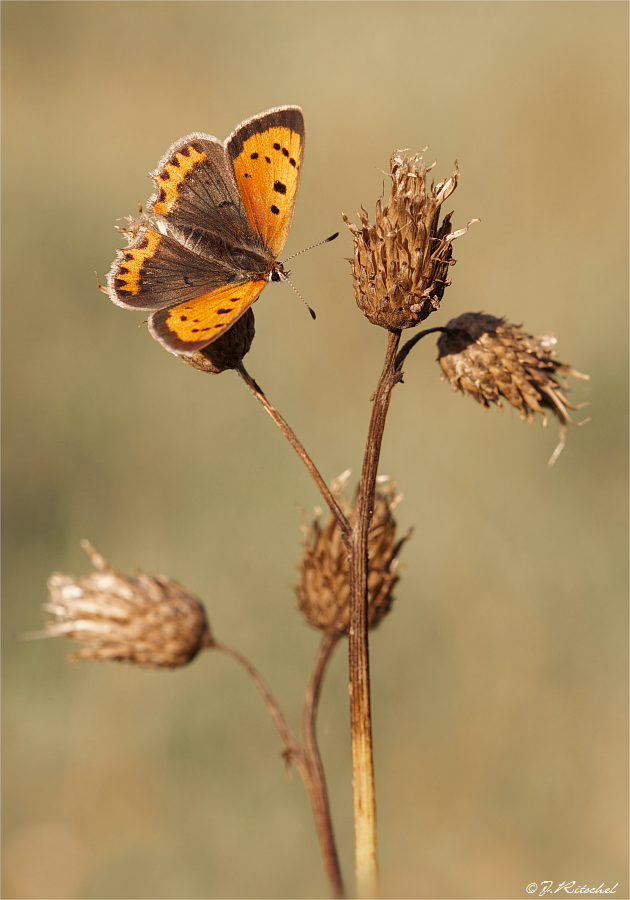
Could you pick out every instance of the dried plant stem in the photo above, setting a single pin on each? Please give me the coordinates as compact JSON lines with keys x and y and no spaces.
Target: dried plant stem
{"x":293,"y":749}
{"x":361,"y":724}
{"x":319,"y":793}
{"x":411,"y":343}
{"x":344,"y":526}
{"x":356,"y":540}
{"x":305,"y":757}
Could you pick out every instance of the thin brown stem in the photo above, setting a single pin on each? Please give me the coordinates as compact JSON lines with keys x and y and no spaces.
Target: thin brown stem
{"x":293,"y":749}
{"x":360,"y":714}
{"x":319,"y":793}
{"x":344,"y":526}
{"x":411,"y":343}
{"x":306,"y":757}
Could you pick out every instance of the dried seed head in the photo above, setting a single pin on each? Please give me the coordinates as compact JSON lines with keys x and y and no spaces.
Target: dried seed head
{"x":323,"y":589}
{"x":490,"y":358}
{"x":401,"y":263}
{"x":228,"y":350}
{"x":148,"y":621}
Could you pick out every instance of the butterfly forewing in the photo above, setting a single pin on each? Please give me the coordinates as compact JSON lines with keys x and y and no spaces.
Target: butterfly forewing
{"x":193,"y":325}
{"x":267,"y":153}
{"x":196,"y":188}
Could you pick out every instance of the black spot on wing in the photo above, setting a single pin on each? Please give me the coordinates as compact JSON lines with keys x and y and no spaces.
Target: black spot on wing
{"x":280,"y":188}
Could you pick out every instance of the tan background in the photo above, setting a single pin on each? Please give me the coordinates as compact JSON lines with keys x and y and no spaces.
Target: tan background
{"x":499,"y":682}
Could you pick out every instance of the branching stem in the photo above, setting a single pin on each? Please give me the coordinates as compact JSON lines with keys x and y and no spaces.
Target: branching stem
{"x":356,"y":540}
{"x":411,"y":343}
{"x":306,"y":757}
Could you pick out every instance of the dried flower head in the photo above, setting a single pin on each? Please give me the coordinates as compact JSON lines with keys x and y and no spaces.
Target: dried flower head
{"x":489,"y":358}
{"x":228,"y":350}
{"x":323,"y":589}
{"x":401,"y":262}
{"x":148,"y":621}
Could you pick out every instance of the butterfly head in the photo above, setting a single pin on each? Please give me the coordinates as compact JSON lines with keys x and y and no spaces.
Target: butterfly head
{"x":278,"y":273}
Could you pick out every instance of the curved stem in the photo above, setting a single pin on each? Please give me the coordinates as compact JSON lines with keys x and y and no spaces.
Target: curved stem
{"x":344,"y":526}
{"x":360,"y":714}
{"x":411,"y":343}
{"x":293,"y":749}
{"x":306,"y":758}
{"x":319,"y":792}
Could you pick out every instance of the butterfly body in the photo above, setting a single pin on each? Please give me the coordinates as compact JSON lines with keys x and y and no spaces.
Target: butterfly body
{"x":209,"y":241}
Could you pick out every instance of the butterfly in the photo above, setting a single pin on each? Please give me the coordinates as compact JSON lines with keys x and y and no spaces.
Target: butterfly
{"x":211,"y":236}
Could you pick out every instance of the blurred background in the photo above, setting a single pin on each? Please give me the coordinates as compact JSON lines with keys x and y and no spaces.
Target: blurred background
{"x":499,"y":680}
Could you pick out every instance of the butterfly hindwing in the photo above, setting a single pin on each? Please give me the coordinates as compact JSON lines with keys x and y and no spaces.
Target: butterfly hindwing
{"x":196,"y":323}
{"x":267,"y":153}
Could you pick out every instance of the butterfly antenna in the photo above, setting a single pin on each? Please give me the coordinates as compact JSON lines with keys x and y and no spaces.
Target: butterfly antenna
{"x":318,"y":244}
{"x":284,"y":277}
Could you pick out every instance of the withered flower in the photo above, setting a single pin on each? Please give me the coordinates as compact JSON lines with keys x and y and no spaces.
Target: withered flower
{"x":401,"y":263}
{"x":148,"y":621}
{"x":489,"y":358}
{"x":323,"y":588}
{"x":228,"y":350}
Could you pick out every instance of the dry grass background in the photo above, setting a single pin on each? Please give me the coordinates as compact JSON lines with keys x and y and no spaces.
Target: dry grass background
{"x":499,"y":681}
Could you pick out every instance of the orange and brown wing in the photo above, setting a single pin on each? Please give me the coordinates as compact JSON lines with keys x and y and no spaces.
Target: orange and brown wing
{"x":267,"y":154}
{"x":196,"y":323}
{"x":156,"y":270}
{"x":196,"y":189}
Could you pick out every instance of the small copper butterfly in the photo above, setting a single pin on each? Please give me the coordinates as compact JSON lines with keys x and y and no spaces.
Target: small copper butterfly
{"x":213,"y":231}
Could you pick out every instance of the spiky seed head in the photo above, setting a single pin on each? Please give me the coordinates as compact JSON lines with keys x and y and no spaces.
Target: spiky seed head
{"x":228,"y":350}
{"x":151,"y":622}
{"x":323,"y":589}
{"x":400,"y":265}
{"x":489,"y":358}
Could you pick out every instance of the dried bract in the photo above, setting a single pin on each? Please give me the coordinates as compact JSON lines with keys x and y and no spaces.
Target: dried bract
{"x":489,"y":358}
{"x":228,"y":350}
{"x":401,"y":263}
{"x":148,"y":621}
{"x":323,"y":588}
